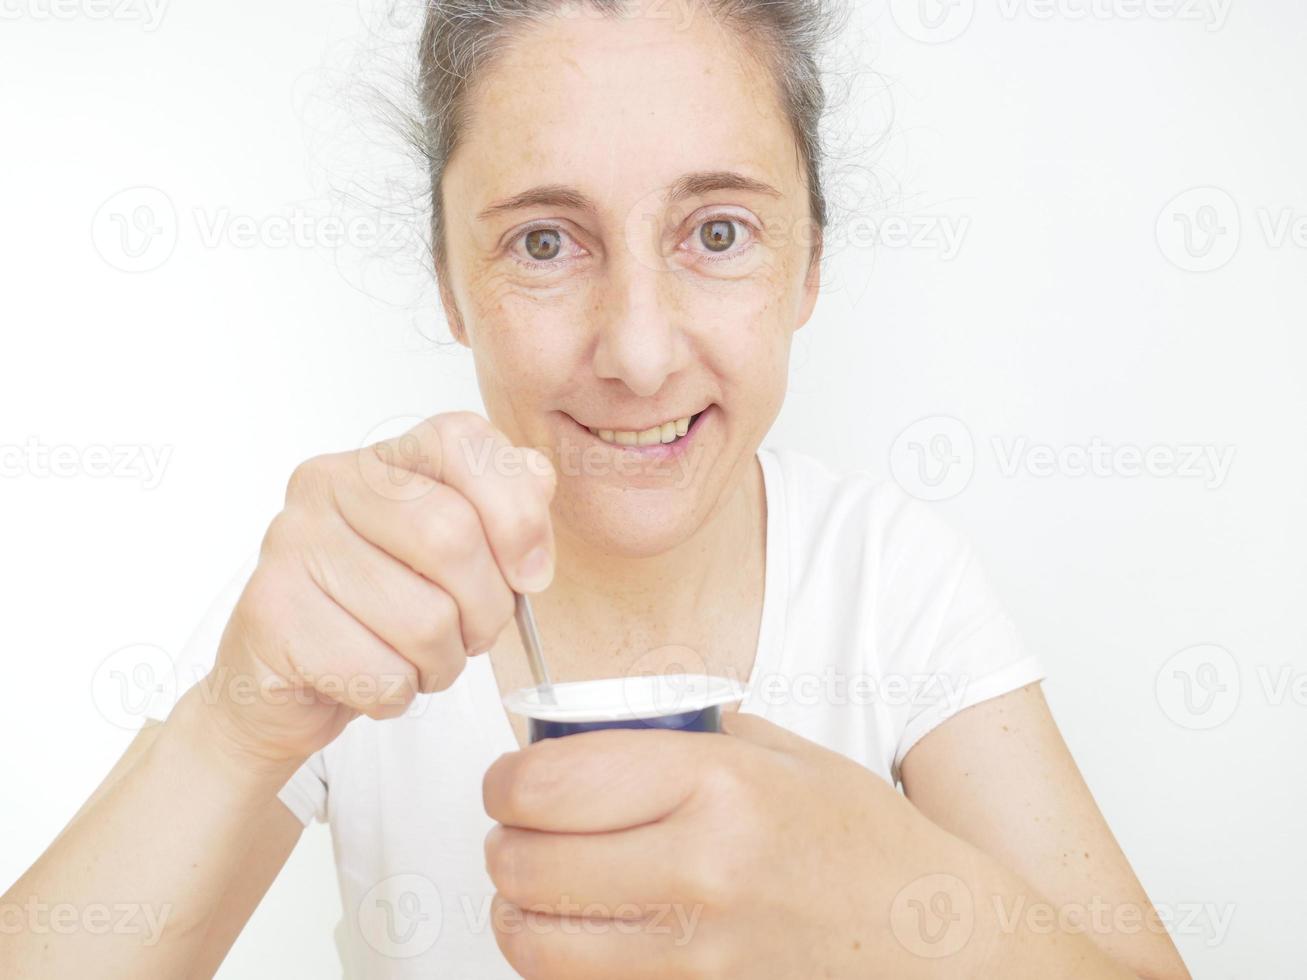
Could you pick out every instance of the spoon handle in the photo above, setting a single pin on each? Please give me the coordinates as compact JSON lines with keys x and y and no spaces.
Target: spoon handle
{"x":526,"y":626}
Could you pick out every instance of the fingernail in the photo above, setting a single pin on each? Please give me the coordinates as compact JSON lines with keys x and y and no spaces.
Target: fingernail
{"x":536,"y":571}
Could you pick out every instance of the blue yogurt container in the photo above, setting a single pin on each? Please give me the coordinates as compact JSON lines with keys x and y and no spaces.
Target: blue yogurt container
{"x":688,"y":702}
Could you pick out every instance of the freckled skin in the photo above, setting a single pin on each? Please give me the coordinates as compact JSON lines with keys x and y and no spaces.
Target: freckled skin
{"x":632,"y":325}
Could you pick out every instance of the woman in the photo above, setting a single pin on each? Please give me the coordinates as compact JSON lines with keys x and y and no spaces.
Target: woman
{"x":628,"y":208}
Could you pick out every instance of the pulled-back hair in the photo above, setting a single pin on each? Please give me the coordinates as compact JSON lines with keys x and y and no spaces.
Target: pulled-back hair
{"x":460,"y":39}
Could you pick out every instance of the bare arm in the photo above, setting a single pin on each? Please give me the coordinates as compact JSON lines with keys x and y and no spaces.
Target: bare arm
{"x":1000,"y":777}
{"x":176,"y":846}
{"x":379,"y":577}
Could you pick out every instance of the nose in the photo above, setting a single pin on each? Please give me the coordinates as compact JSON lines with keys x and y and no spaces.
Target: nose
{"x":639,"y":342}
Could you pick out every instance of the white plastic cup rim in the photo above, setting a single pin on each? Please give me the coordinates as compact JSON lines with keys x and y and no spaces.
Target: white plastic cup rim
{"x":626,"y":698}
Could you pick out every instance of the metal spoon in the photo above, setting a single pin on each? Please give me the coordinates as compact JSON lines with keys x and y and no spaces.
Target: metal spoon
{"x":526,"y":626}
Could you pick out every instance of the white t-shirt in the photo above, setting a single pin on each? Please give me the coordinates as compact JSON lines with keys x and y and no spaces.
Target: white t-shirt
{"x":877,"y":624}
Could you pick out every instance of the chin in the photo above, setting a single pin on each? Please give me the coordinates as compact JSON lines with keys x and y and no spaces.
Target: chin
{"x":627,"y":522}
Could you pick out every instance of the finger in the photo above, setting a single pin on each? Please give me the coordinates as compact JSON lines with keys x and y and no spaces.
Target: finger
{"x":437,"y":533}
{"x":509,"y":487}
{"x":668,"y":943}
{"x":597,"y":781}
{"x":759,"y":731}
{"x":618,"y":874}
{"x":416,"y":618}
{"x":306,"y":636}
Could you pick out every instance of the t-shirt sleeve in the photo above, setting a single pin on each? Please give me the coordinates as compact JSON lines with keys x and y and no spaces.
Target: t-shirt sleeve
{"x":305,"y":793}
{"x":946,"y":640}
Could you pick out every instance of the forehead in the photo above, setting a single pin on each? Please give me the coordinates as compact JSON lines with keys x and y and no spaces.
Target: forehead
{"x":621,"y":106}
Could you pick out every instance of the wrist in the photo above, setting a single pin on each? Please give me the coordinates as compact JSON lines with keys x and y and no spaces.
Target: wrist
{"x":205,"y":733}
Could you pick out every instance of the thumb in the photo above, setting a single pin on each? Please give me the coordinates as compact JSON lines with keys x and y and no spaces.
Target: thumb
{"x":758,"y":730}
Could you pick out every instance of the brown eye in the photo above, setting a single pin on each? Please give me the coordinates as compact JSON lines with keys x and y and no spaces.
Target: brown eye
{"x":719,"y":236}
{"x":544,"y":244}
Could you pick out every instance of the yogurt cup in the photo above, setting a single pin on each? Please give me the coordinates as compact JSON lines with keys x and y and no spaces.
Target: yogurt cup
{"x":688,"y":702}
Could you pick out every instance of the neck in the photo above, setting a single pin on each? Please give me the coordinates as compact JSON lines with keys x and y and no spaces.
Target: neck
{"x":619,"y":607}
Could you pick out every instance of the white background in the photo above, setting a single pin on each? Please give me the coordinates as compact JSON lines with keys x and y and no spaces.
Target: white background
{"x":1056,"y":135}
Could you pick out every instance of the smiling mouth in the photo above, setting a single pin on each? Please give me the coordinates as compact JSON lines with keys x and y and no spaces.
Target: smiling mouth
{"x":665,"y":433}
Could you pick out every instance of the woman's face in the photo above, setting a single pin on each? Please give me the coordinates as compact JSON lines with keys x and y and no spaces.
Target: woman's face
{"x":629,"y":239}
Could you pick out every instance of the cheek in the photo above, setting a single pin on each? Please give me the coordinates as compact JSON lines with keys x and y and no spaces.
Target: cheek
{"x":743,"y":328}
{"x":527,"y":339}
{"x":532,"y":339}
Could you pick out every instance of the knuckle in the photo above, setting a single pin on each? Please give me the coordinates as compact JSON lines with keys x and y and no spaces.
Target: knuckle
{"x":462,"y":421}
{"x":712,"y":880}
{"x":435,"y":644}
{"x":536,"y":774}
{"x":544,"y":475}
{"x":308,"y":479}
{"x":442,"y":673}
{"x":441,"y":624}
{"x":452,"y":530}
{"x":283,"y":535}
{"x":514,"y":941}
{"x":524,"y":526}
{"x":534,"y":956}
{"x":501,"y":862}
{"x":459,"y":427}
{"x":496,"y":611}
{"x":384,"y":712}
{"x":392,"y":695}
{"x":725,"y":783}
{"x":262,"y":606}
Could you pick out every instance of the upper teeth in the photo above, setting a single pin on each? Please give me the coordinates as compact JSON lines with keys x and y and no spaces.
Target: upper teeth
{"x":667,"y":432}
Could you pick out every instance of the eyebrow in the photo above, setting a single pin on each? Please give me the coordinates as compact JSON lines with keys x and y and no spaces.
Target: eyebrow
{"x":689,"y":185}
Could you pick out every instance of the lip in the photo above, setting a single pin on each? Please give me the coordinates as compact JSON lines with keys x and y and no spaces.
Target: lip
{"x":660,"y":450}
